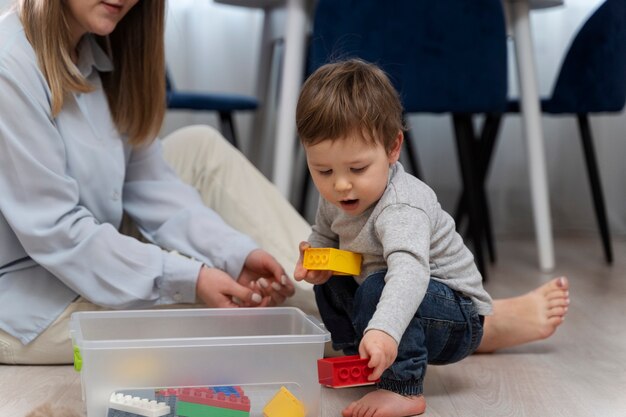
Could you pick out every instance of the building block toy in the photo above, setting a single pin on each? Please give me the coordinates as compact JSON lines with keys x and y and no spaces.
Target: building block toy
{"x":344,"y":371}
{"x":121,"y":405}
{"x":168,"y":396}
{"x":341,"y":262}
{"x":284,"y":404}
{"x":209,"y":402}
{"x":185,"y":409}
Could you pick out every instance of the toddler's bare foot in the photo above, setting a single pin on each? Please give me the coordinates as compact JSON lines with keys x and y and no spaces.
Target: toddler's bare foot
{"x":383,"y":403}
{"x":532,"y":316}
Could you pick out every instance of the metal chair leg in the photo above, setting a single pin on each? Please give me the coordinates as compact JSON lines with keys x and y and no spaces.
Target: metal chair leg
{"x":483,"y":150}
{"x":464,"y":134}
{"x":595,"y":184}
{"x":228,"y":127}
{"x":409,"y":144}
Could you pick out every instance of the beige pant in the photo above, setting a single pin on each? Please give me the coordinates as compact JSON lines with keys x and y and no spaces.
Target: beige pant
{"x":230,"y":185}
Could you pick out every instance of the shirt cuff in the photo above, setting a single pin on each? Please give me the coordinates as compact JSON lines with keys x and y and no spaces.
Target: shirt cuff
{"x":180,"y":275}
{"x":396,"y":333}
{"x":235,"y":262}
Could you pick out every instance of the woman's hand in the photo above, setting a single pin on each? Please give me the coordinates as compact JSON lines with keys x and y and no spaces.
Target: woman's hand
{"x":381,"y":349}
{"x":312,"y":277}
{"x":263,"y":274}
{"x":218,"y":289}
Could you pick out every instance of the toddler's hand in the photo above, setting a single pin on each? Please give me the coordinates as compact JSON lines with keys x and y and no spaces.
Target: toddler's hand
{"x":381,"y":349}
{"x":312,"y":277}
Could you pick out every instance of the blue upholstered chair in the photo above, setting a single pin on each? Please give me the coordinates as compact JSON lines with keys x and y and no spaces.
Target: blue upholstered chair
{"x":592,"y":79}
{"x":224,"y":104}
{"x":444,"y":56}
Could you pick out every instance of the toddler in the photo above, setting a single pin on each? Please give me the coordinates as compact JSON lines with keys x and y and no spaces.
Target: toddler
{"x":419,"y":298}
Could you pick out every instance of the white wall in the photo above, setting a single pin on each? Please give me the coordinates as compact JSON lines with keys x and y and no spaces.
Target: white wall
{"x":214,"y":47}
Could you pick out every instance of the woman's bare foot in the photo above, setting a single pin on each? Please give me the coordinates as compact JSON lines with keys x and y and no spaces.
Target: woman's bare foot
{"x":532,"y":316}
{"x":383,"y":403}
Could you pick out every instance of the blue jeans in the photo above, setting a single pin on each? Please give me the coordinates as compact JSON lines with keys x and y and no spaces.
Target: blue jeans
{"x":445,"y":329}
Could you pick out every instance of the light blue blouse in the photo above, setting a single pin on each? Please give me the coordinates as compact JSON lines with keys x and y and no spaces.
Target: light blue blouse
{"x":64,"y":183}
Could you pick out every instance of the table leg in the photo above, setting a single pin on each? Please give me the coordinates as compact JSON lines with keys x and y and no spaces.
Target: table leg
{"x":292,"y":74}
{"x":531,"y":115}
{"x":263,"y":136}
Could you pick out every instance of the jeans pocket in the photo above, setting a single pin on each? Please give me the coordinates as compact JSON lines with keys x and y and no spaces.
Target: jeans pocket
{"x":477,"y":332}
{"x":445,"y":341}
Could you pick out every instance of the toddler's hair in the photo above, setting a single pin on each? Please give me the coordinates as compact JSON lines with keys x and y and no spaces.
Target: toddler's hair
{"x":351,"y":96}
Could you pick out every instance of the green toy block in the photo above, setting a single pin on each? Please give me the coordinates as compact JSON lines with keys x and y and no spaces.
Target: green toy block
{"x":185,"y":409}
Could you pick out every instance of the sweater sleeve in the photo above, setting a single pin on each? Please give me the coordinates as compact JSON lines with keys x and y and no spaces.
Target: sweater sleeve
{"x":404,"y":232}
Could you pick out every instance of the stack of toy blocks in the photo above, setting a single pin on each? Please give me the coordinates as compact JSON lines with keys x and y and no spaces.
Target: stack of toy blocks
{"x":121,"y":405}
{"x":168,"y":396}
{"x":212,"y":402}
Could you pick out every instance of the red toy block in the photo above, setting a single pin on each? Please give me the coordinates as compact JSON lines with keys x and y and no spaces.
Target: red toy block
{"x":344,"y":371}
{"x":208,"y":396}
{"x":167,"y":392}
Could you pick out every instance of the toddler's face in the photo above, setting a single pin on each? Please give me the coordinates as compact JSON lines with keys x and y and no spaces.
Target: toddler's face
{"x":351,"y":173}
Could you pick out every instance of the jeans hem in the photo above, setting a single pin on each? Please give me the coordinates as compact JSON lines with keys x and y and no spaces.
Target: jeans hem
{"x":406,"y":388}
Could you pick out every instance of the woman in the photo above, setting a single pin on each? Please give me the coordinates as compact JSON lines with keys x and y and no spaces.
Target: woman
{"x":74,"y":167}
{"x":81,"y":101}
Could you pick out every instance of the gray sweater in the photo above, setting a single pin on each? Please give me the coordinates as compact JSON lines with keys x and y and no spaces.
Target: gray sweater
{"x":408,"y":234}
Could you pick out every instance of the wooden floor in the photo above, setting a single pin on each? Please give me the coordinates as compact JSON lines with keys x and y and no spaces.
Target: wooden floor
{"x":580,"y":371}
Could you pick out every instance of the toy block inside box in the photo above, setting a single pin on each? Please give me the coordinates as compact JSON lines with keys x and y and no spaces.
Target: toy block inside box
{"x":344,"y":371}
{"x":147,"y":349}
{"x":284,"y":404}
{"x":185,"y":409}
{"x":121,"y":405}
{"x":168,"y":396}
{"x":341,"y":262}
{"x":218,"y":401}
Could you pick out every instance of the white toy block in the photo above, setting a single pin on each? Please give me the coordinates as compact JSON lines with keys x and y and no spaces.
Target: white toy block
{"x":139,"y":406}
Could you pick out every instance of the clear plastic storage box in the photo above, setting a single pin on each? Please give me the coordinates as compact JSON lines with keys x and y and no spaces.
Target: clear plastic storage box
{"x":260,"y":349}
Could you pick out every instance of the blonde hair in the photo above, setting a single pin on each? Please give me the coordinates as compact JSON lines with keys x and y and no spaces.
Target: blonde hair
{"x":135,"y":88}
{"x":350,"y":96}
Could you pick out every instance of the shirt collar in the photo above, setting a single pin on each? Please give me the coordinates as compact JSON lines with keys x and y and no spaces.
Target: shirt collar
{"x":91,"y":55}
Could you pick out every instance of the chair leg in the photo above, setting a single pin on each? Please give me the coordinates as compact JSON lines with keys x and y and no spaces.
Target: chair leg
{"x":486,"y":145}
{"x":228,"y":127}
{"x":414,"y":167}
{"x":483,"y":150}
{"x":303,"y":198}
{"x":464,"y":134}
{"x":596,"y":186}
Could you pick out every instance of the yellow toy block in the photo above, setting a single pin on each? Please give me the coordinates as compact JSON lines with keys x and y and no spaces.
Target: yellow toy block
{"x":342,"y":262}
{"x":284,"y":404}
